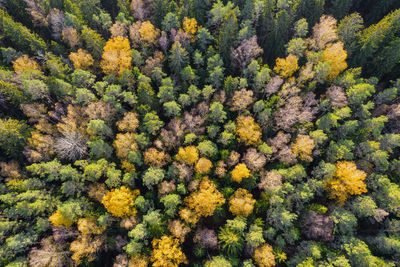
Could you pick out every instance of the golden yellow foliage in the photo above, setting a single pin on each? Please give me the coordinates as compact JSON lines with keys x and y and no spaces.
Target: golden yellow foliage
{"x":116,"y":56}
{"x":264,"y":256}
{"x":88,"y":226}
{"x":336,"y":56}
{"x":148,"y":33}
{"x":138,"y":261}
{"x":249,"y":131}
{"x":85,"y":246}
{"x":239,"y":172}
{"x":188,"y":155}
{"x":241,"y":203}
{"x":203,"y":166}
{"x":129,"y":123}
{"x":347,"y":180}
{"x":202,"y":202}
{"x":120,"y":202}
{"x":167,"y":252}
{"x":81,"y":59}
{"x":58,"y":219}
{"x":303,"y":147}
{"x":286,"y":66}
{"x":190,"y":26}
{"x":24,"y":63}
{"x":128,"y":167}
{"x":156,"y":158}
{"x":124,"y":143}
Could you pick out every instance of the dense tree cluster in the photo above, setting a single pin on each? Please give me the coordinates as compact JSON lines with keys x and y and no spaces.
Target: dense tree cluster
{"x":200,"y":133}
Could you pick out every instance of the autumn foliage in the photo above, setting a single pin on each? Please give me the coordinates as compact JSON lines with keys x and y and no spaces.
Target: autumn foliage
{"x":121,"y":202}
{"x":347,"y":180}
{"x":116,"y":56}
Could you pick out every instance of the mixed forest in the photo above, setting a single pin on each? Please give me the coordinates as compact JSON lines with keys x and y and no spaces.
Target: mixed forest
{"x":210,"y":133}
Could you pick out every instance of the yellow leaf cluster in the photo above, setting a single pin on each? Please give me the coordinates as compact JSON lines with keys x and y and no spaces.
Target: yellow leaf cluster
{"x":203,"y":166}
{"x":129,"y":123}
{"x":249,"y":131}
{"x":167,"y":252}
{"x":202,"y":202}
{"x":24,"y":63}
{"x":239,"y":172}
{"x":124,"y":143}
{"x":116,"y":56}
{"x":264,"y":256}
{"x":58,"y":219}
{"x":85,"y":246}
{"x":138,"y":261}
{"x":88,"y":226}
{"x":188,"y":155}
{"x":241,"y":203}
{"x":336,"y":56}
{"x":303,"y":147}
{"x":286,"y":66}
{"x":347,"y":180}
{"x":128,"y":166}
{"x":120,"y":202}
{"x":156,"y":158}
{"x":81,"y":59}
{"x":190,"y":26}
{"x":148,"y":33}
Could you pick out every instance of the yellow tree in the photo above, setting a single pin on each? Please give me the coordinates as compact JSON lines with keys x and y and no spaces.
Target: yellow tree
{"x":116,"y":56}
{"x":336,"y":56}
{"x":120,"y":202}
{"x":286,"y":66}
{"x":155,"y":158}
{"x":188,"y":155}
{"x":59,"y":220}
{"x":203,"y":166}
{"x":24,"y":63}
{"x":303,"y":147}
{"x":129,"y":123}
{"x":249,"y":131}
{"x":264,"y":256}
{"x":167,"y":252}
{"x":148,"y":33}
{"x":81,"y":59}
{"x":241,"y":203}
{"x":239,"y":172}
{"x":190,"y":27}
{"x":125,"y":143}
{"x":347,"y":180}
{"x":202,"y":202}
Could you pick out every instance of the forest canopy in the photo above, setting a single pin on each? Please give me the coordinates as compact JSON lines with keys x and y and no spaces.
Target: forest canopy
{"x":216,"y":133}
